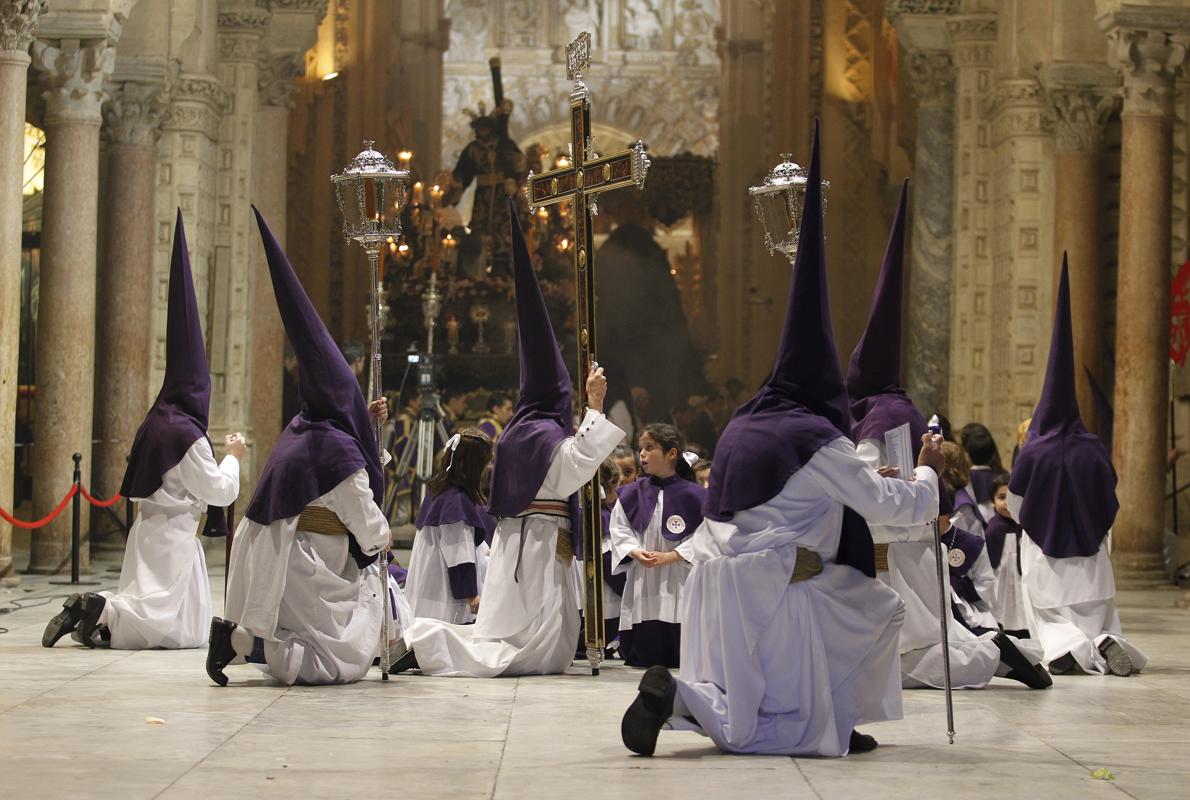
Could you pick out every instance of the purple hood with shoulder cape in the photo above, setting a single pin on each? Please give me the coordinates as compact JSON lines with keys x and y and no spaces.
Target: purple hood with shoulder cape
{"x":803,"y":404}
{"x":178,"y":417}
{"x":1063,"y":472}
{"x":332,"y":437}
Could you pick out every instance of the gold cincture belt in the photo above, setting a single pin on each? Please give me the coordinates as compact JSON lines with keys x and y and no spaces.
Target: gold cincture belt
{"x":809,"y":565}
{"x":564,"y":549}
{"x":882,"y":558}
{"x":319,"y":519}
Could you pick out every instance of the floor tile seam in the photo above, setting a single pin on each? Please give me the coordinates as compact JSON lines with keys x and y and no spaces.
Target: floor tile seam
{"x":58,"y":686}
{"x":214,"y":749}
{"x":798,"y":766}
{"x":507,"y":733}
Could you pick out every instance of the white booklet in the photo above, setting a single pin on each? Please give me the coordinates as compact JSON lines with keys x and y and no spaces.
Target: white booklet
{"x":898,"y":448}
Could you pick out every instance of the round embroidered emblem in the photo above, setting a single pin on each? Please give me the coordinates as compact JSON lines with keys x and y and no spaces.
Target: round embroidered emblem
{"x":675,"y":524}
{"x":957,"y":557}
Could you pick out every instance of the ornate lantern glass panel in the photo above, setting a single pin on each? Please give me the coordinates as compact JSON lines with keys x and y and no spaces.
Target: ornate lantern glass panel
{"x":779,"y":202}
{"x":371,"y":194}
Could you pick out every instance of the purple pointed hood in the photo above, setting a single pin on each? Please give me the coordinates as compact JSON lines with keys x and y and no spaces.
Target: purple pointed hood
{"x":1063,"y":472}
{"x":544,"y":414}
{"x":178,"y":417}
{"x":803,"y":403}
{"x":878,"y":402}
{"x":332,"y":437}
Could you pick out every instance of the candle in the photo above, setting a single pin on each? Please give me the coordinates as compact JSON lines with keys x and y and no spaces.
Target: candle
{"x":417,"y":193}
{"x":404,"y":157}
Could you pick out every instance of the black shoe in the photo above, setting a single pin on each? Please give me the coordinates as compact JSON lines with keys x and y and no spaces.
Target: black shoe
{"x":1118,"y":660}
{"x":64,"y":621}
{"x":1019,"y":667}
{"x":649,"y":712}
{"x":92,"y":607}
{"x":1063,"y":664}
{"x":861,"y":743}
{"x":220,"y":652}
{"x":404,"y":659}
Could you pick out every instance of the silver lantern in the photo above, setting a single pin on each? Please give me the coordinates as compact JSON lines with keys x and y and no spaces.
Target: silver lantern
{"x":779,"y":202}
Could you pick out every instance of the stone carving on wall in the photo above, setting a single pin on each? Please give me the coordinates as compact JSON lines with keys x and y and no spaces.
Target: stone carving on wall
{"x":669,"y":97}
{"x":642,"y":25}
{"x":1079,"y":114}
{"x":577,"y":16}
{"x":275,"y":78}
{"x":1149,"y":60}
{"x":519,"y":23}
{"x":18,"y":18}
{"x":134,"y":114}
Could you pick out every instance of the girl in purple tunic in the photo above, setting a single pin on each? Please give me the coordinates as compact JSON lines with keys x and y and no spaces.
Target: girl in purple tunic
{"x":650,"y":535}
{"x":453,"y":529}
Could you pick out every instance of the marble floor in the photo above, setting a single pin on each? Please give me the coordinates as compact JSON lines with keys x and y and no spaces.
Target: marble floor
{"x":78,"y":723}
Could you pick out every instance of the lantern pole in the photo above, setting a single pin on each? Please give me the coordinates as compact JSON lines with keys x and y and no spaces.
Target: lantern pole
{"x":371,"y":176}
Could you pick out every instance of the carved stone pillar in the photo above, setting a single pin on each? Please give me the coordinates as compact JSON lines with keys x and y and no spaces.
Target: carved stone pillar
{"x":1147,"y":47}
{"x":125,"y":286}
{"x":931,"y":76}
{"x":1081,"y":98}
{"x":270,"y":180}
{"x":18,"y":18}
{"x":973,"y":41}
{"x":73,"y":74}
{"x":242,"y":24}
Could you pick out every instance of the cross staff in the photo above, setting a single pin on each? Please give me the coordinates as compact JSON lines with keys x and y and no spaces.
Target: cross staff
{"x":588,"y":175}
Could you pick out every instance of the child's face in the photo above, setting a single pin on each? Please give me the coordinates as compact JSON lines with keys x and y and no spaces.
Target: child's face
{"x":1000,"y":501}
{"x":703,"y":476}
{"x":627,"y":467}
{"x":654,"y":460}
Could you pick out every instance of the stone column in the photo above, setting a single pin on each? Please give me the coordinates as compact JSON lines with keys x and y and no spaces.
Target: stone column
{"x":1149,"y":57}
{"x":18,"y":18}
{"x":928,"y":312}
{"x":125,"y":285}
{"x":241,"y":23}
{"x":1082,"y":97}
{"x":270,"y":182}
{"x":73,"y":74}
{"x":414,"y":93}
{"x":973,"y":39}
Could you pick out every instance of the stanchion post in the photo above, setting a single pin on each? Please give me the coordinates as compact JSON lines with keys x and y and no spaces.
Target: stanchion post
{"x":75,"y":519}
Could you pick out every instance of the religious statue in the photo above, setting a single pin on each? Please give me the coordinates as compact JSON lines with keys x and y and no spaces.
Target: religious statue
{"x":497,"y":165}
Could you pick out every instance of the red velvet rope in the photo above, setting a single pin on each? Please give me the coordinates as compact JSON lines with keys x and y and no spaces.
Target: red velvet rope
{"x":117,"y":497}
{"x":48,"y":518}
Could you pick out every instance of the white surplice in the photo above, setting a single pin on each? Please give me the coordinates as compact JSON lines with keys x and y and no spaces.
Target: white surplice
{"x":436,"y":549}
{"x":774,"y":667}
{"x":528,"y":622}
{"x":303,"y":594}
{"x":649,"y":594}
{"x":913,"y":574}
{"x":1071,"y":602}
{"x":164,"y":598}
{"x":983,"y":578}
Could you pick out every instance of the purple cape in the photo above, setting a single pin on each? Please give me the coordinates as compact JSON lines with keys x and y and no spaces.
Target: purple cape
{"x":1063,"y":473}
{"x":982,"y":479}
{"x":544,"y":414}
{"x":997,"y":531}
{"x":683,"y":500}
{"x":453,"y":505}
{"x":178,"y":417}
{"x":332,"y":438}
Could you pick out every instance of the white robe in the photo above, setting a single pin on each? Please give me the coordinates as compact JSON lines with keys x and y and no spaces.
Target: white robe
{"x":528,"y":622}
{"x":164,"y":598}
{"x":774,"y":667}
{"x":1071,"y":603}
{"x":436,"y":549}
{"x":913,"y":574}
{"x":983,"y":578}
{"x":1007,"y":595}
{"x":302,"y":593}
{"x":649,"y":594}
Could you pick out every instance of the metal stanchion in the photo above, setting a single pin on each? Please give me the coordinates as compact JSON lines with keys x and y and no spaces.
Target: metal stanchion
{"x":76,"y":543}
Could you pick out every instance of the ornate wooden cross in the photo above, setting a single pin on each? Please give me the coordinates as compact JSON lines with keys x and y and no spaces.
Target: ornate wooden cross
{"x":587,"y":176}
